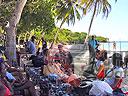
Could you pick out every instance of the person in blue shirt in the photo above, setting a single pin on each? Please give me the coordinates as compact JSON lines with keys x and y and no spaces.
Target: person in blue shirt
{"x":31,"y":46}
{"x":93,"y":43}
{"x":93,"y":47}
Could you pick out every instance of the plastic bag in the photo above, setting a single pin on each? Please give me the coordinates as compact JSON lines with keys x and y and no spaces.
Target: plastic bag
{"x":100,"y":88}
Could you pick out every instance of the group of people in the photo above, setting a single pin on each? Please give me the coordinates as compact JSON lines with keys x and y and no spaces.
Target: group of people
{"x":108,"y":69}
{"x":62,"y":56}
{"x":30,"y":46}
{"x":12,"y":79}
{"x":59,"y":63}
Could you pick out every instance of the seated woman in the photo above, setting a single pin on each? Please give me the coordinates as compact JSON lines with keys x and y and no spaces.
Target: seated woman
{"x":101,"y":56}
{"x":52,"y":66}
{"x":115,"y":75}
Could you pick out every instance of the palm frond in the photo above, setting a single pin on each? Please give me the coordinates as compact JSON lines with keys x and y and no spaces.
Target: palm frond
{"x":67,"y":7}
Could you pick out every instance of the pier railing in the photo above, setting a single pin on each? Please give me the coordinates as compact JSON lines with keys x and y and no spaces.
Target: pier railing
{"x":114,"y":45}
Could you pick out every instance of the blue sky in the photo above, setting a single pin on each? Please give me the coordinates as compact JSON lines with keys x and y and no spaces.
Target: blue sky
{"x":115,"y":27}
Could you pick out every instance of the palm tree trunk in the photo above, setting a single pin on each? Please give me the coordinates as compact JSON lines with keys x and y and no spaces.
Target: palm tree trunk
{"x":11,"y":31}
{"x":89,"y":29}
{"x":56,"y":35}
{"x":55,"y":38}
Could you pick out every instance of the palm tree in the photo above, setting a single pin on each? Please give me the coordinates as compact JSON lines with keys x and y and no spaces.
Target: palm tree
{"x":97,"y":6}
{"x":66,"y":11}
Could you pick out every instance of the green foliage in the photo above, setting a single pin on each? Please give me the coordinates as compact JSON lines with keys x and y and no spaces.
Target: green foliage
{"x":66,"y":11}
{"x":37,"y":15}
{"x":66,"y":36}
{"x":102,"y":39}
{"x":78,"y":37}
{"x":102,"y":6}
{"x":6,"y":9}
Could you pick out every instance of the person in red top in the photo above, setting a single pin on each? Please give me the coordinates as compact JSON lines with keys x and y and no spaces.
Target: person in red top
{"x":101,"y":56}
{"x":4,"y":91}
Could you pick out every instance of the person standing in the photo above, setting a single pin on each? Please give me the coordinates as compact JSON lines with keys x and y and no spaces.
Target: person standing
{"x":44,"y":43}
{"x":93,"y":47}
{"x":31,"y":46}
{"x":42,"y":46}
{"x":114,"y":46}
{"x":93,"y":44}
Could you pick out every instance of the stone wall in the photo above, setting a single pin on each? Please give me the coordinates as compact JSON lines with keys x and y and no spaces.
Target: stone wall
{"x":80,"y":55}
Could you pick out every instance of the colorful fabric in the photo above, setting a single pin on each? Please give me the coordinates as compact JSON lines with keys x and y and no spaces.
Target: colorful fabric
{"x":7,"y":92}
{"x":53,"y":77}
{"x":101,"y":74}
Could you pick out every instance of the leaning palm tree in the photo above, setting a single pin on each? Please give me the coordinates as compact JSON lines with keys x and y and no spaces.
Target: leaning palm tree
{"x":65,"y":11}
{"x":97,"y":6}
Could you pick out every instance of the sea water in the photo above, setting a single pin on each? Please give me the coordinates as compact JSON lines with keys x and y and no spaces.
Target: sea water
{"x":115,"y":46}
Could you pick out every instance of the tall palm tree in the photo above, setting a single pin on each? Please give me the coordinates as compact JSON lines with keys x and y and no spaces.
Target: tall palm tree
{"x":97,"y":6}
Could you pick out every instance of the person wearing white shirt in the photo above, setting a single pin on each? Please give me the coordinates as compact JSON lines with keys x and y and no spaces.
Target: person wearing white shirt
{"x":115,"y":75}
